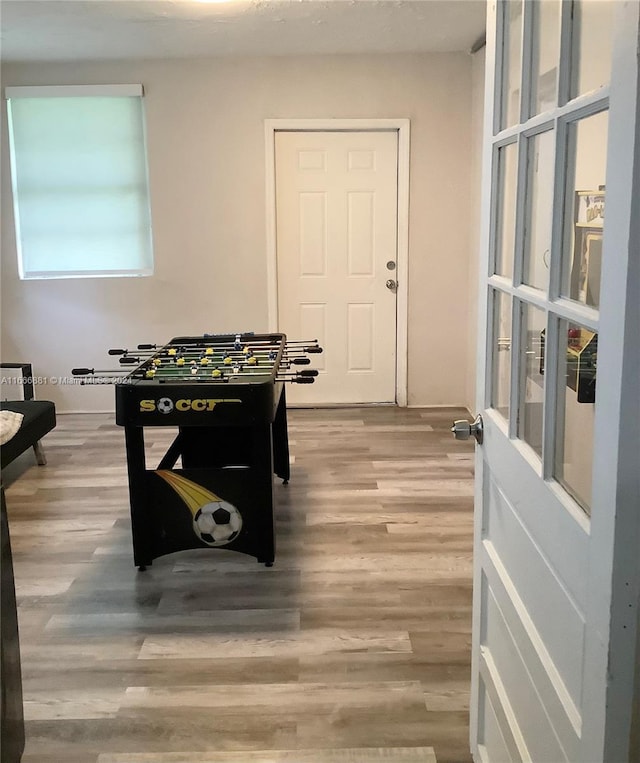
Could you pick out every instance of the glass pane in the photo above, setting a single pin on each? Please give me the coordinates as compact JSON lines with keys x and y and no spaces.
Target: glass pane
{"x":511,"y":63}
{"x":81,"y":184}
{"x":546,"y":54}
{"x":501,"y":350}
{"x":584,"y":209}
{"x":531,"y":374}
{"x":592,"y":36}
{"x":506,"y":206}
{"x":537,"y":245}
{"x":576,"y":408}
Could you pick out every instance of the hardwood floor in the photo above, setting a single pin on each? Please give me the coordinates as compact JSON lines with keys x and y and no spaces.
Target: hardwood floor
{"x":353,"y":648}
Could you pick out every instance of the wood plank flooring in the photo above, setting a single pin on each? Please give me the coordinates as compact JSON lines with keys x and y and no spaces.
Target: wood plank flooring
{"x":353,"y":648}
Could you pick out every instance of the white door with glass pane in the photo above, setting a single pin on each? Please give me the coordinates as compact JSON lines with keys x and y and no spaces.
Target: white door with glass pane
{"x":557,"y":498}
{"x":337,"y":231}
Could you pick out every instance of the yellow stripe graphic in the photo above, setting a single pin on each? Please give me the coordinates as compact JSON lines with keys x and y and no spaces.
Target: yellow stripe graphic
{"x":194,"y":496}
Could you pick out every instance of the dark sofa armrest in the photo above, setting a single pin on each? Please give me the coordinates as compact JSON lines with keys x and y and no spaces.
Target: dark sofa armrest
{"x":27,"y":378}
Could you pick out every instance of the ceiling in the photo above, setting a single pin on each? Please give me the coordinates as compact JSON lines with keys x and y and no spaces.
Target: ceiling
{"x":83,"y":30}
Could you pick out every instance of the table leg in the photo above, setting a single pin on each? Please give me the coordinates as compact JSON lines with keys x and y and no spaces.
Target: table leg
{"x":262,"y":473}
{"x":11,"y":713}
{"x":281,"y":440}
{"x":134,"y":441}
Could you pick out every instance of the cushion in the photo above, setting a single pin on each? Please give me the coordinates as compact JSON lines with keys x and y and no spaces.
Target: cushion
{"x":10,"y":422}
{"x":39,"y":418}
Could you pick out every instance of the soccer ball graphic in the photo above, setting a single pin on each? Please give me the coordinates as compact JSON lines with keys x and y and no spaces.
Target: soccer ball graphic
{"x":165,"y":405}
{"x":217,"y":523}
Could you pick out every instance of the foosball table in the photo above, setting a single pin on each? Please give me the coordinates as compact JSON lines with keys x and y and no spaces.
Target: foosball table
{"x":225,"y":396}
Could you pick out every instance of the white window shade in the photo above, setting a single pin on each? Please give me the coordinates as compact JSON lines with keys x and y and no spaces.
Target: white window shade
{"x":80,"y":188}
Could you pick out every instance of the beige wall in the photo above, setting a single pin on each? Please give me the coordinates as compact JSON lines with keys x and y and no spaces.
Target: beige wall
{"x":205,"y":124}
{"x":477,"y":116}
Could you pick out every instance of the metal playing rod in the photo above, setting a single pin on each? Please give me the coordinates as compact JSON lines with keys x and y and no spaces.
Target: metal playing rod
{"x":300,"y":359}
{"x":294,"y":344}
{"x":258,"y":342}
{"x":207,"y":372}
{"x":259,"y":368}
{"x":257,"y":352}
{"x":145,"y":350}
{"x":124,"y":359}
{"x":88,"y":371}
{"x":221,"y":378}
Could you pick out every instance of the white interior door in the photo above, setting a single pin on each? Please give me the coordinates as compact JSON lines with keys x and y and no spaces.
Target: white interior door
{"x":336,"y":234}
{"x":557,"y":499}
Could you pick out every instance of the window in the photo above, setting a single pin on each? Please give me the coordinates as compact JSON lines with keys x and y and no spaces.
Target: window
{"x":79,"y":178}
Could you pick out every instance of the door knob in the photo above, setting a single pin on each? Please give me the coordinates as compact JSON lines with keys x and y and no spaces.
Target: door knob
{"x":391,"y":284}
{"x":463,"y":429}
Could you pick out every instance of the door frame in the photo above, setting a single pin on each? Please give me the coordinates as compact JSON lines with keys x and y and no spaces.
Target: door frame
{"x":402,"y":128}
